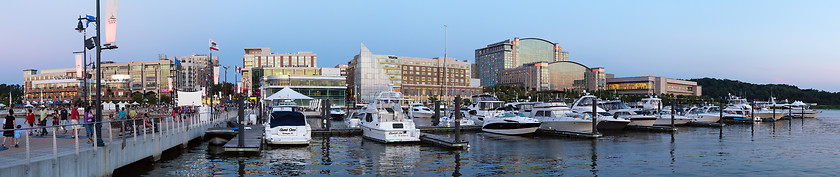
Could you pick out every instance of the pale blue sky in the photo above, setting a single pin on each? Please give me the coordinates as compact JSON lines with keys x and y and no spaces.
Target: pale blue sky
{"x":790,"y":42}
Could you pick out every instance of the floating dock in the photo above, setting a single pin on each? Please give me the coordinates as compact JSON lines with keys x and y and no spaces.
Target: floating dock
{"x":704,"y":124}
{"x":651,"y":128}
{"x":253,"y":140}
{"x":337,"y":132}
{"x":444,"y":141}
{"x":569,"y":134}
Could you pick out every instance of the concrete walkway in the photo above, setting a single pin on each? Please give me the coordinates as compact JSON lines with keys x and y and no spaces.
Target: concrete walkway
{"x":99,"y":161}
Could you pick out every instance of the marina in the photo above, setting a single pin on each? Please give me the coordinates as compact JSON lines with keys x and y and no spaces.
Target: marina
{"x":798,"y":143}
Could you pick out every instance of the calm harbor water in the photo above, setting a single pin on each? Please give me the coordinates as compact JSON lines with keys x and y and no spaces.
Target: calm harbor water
{"x":784,"y":148}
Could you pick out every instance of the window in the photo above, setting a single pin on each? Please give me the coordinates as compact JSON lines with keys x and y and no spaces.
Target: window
{"x":368,"y":117}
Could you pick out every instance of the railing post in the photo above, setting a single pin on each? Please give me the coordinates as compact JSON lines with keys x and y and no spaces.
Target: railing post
{"x":76,"y":137}
{"x":110,"y":133}
{"x":27,"y":149}
{"x":134,"y":130}
{"x":153,"y":128}
{"x":55,"y":145}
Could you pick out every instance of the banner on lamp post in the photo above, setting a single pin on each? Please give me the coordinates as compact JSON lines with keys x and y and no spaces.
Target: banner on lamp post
{"x":216,"y":75}
{"x":170,"y":83}
{"x":79,"y":66}
{"x":110,"y":21}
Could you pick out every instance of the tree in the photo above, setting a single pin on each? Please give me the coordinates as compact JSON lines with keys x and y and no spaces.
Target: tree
{"x":137,"y":97}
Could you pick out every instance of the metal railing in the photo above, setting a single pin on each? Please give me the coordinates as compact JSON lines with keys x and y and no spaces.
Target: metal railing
{"x":162,"y":126}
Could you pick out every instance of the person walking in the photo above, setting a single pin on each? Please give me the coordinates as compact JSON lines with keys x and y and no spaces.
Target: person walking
{"x":43,"y":121}
{"x":64,"y":121}
{"x":30,"y":119}
{"x":74,"y":119}
{"x":88,"y":124}
{"x":9,"y":124}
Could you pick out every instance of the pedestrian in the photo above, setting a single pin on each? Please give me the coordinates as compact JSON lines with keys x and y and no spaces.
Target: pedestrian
{"x":43,"y":121}
{"x":17,"y":135}
{"x":30,"y":119}
{"x":9,"y":124}
{"x":74,"y":119}
{"x":64,"y":121}
{"x":55,"y":120}
{"x":88,"y":124}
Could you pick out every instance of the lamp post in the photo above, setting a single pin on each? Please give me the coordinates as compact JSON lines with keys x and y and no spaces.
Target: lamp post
{"x":80,"y":28}
{"x":98,"y":105}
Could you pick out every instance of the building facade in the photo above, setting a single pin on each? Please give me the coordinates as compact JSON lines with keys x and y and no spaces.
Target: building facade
{"x":652,"y":85}
{"x":558,"y":75}
{"x":326,"y":84}
{"x":508,"y":54}
{"x":416,"y":78}
{"x":120,"y":80}
{"x":263,"y":58}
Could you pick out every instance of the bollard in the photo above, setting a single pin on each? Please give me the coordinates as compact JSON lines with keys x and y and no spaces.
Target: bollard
{"x":594,"y":115}
{"x":457,"y":117}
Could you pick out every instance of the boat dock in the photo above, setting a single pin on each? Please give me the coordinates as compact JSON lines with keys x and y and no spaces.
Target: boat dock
{"x":651,"y":128}
{"x":704,"y":124}
{"x":444,"y":141}
{"x":253,"y":140}
{"x":569,"y":134}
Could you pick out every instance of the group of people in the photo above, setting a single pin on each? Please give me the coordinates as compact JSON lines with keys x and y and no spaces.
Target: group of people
{"x":59,"y":116}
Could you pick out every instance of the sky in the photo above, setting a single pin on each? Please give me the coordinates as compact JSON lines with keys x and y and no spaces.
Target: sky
{"x":787,"y":42}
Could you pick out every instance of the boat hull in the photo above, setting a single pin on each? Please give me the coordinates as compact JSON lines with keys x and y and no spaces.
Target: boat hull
{"x":778,"y":115}
{"x":569,"y":126}
{"x":390,"y":136}
{"x":510,"y":128}
{"x":705,"y":119}
{"x":612,"y":125}
{"x":422,"y":114}
{"x":642,"y":121}
{"x":667,"y":121}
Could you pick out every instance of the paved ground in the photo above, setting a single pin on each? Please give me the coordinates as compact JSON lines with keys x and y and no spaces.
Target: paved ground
{"x":42,"y":145}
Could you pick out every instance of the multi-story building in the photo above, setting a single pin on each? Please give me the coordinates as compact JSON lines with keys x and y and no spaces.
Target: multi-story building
{"x":120,"y":79}
{"x":318,"y":83}
{"x":342,"y":68}
{"x":508,"y":54}
{"x":558,"y":75}
{"x":652,"y":85}
{"x":416,"y":78}
{"x":263,"y":58}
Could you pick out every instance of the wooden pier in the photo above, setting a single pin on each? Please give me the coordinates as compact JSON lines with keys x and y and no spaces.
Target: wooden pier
{"x":444,"y":141}
{"x":253,"y":140}
{"x":568,"y":134}
{"x":651,"y":128}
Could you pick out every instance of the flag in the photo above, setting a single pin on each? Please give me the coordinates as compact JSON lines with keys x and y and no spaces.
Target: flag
{"x":213,"y":45}
{"x":177,"y":62}
{"x":238,"y":69}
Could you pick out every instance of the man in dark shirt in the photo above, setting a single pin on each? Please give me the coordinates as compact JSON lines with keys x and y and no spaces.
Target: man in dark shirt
{"x":63,"y":115}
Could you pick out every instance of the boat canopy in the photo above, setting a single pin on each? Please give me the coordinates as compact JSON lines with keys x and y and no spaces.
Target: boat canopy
{"x":288,"y":94}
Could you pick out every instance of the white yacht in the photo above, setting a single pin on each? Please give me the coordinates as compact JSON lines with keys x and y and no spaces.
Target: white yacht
{"x":738,"y":106}
{"x":287,"y":126}
{"x":337,"y":112}
{"x":554,"y":116}
{"x":665,"y":118}
{"x":352,"y":119}
{"x":707,"y":114}
{"x":449,"y":120}
{"x":384,"y":121}
{"x":483,"y":106}
{"x":510,"y":123}
{"x":619,"y":109}
{"x":418,"y":110}
{"x":800,"y":109}
{"x":606,"y":121}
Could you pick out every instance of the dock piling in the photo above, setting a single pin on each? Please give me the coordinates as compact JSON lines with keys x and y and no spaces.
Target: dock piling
{"x":241,"y":103}
{"x":594,"y":115}
{"x":457,"y":118}
{"x":436,"y":118}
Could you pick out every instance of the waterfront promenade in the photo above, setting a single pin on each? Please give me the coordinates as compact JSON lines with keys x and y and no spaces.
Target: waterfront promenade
{"x":62,"y":156}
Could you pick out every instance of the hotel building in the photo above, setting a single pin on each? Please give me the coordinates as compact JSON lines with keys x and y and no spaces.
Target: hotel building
{"x":416,"y":78}
{"x":652,"y":85}
{"x":263,"y":58}
{"x":265,"y":73}
{"x":508,"y":54}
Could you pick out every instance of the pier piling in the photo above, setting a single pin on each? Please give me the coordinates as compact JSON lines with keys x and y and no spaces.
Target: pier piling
{"x":594,"y":115}
{"x":457,"y":118}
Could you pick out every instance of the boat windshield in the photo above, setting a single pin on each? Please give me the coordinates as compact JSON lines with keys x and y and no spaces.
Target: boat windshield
{"x":335,"y":109}
{"x":615,"y":105}
{"x":510,"y":114}
{"x":489,"y":105}
{"x":287,"y":118}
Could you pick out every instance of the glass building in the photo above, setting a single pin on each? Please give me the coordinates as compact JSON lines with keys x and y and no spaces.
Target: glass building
{"x":508,"y":54}
{"x":331,"y":87}
{"x":558,"y":75}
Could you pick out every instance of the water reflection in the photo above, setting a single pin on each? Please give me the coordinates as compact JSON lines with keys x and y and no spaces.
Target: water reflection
{"x":391,"y":159}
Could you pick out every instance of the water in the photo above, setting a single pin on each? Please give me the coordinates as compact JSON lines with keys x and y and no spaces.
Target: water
{"x":784,"y":148}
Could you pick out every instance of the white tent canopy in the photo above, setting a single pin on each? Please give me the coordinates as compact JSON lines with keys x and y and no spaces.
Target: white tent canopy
{"x":2,"y":105}
{"x":135,"y":103}
{"x":288,"y":94}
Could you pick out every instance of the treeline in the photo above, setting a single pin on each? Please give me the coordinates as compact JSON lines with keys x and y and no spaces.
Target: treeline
{"x":718,"y":88}
{"x":15,"y":89}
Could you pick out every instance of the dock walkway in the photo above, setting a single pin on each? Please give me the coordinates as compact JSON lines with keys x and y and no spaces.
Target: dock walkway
{"x":253,"y":140}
